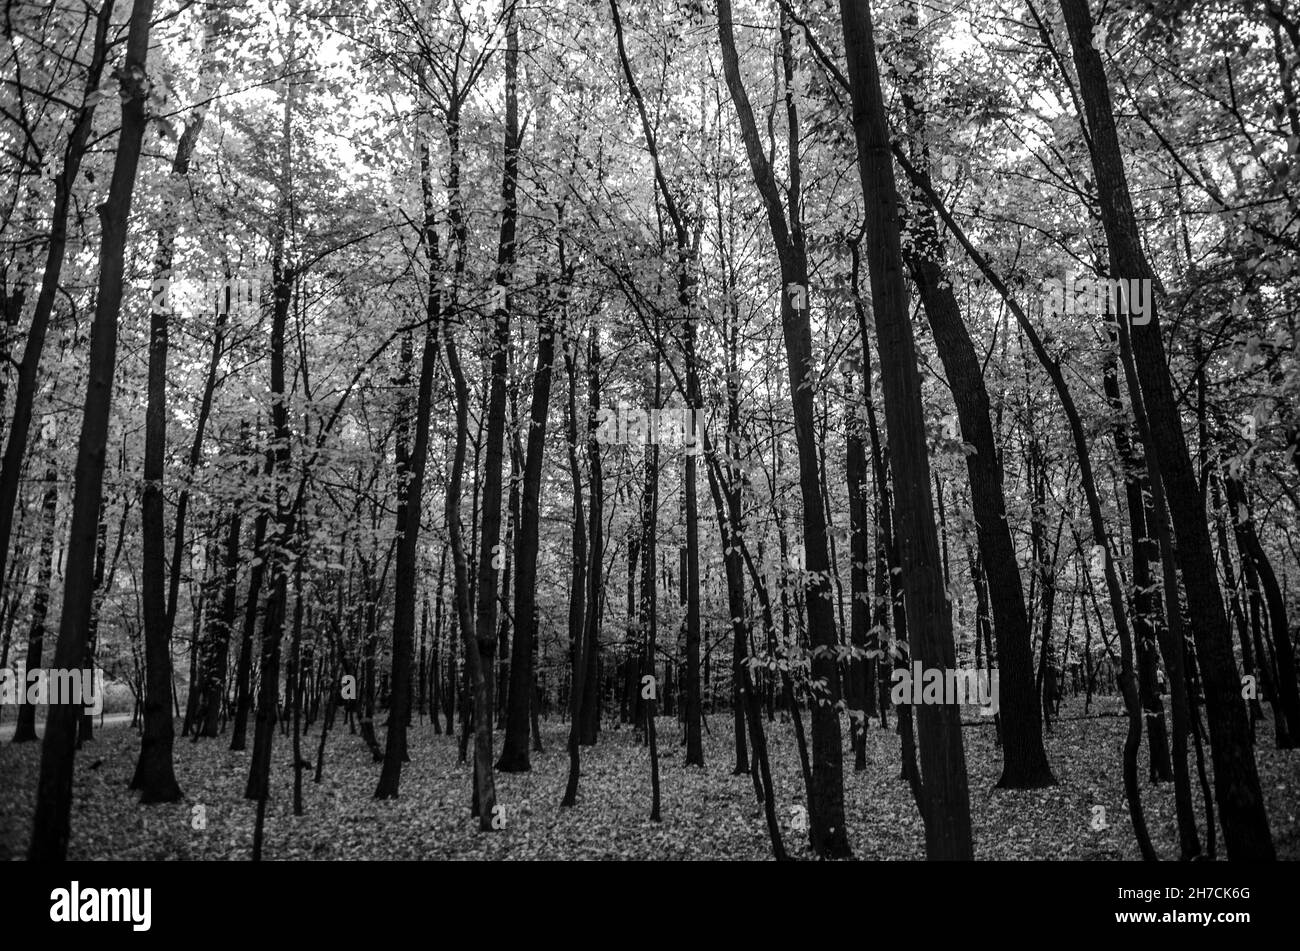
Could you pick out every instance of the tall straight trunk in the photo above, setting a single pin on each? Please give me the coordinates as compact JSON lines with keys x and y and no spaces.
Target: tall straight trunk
{"x":590,"y":712}
{"x":372,"y":588}
{"x":288,"y":547}
{"x":943,"y":762}
{"x":268,"y":694}
{"x":85,"y":725}
{"x":649,"y":607}
{"x":826,"y":805}
{"x":28,"y":368}
{"x":410,"y":474}
{"x":155,"y":774}
{"x":50,"y":829}
{"x":1241,"y":805}
{"x":25,"y":728}
{"x":294,"y":686}
{"x":743,"y":696}
{"x":440,"y":704}
{"x":422,"y":665}
{"x":475,"y":674}
{"x":504,"y":626}
{"x":476,"y":686}
{"x":861,"y":688}
{"x":494,"y":455}
{"x":578,"y":583}
{"x":514,"y":748}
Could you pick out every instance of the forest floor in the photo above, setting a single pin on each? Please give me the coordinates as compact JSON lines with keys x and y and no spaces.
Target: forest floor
{"x":707,"y":813}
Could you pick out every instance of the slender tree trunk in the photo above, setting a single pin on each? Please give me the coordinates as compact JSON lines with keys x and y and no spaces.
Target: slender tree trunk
{"x":155,"y":775}
{"x":578,"y":585}
{"x":826,"y":805}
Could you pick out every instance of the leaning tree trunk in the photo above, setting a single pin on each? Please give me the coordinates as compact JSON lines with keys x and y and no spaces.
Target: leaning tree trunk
{"x":1127,"y":679}
{"x":1024,"y":760}
{"x":1236,"y":779}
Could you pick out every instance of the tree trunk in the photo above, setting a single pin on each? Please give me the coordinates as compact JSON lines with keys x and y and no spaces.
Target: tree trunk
{"x":514,"y":748}
{"x":1288,"y":726}
{"x":54,"y":790}
{"x":25,"y":393}
{"x":826,"y":805}
{"x":25,"y":728}
{"x":1241,"y":806}
{"x":943,"y":765}
{"x":578,"y":584}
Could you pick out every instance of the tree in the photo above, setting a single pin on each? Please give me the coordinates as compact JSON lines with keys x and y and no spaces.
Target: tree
{"x":54,"y":801}
{"x":943,"y":770}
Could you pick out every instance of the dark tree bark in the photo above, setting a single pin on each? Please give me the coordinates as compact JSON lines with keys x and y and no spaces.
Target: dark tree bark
{"x":826,"y":805}
{"x":578,"y":584}
{"x":55,"y":251}
{"x":1143,"y":610}
{"x":861,"y":685}
{"x":1243,"y":524}
{"x":1025,"y":763}
{"x":943,"y":764}
{"x":649,"y":608}
{"x":218,"y":661}
{"x":410,"y":505}
{"x":1024,"y":760}
{"x":1241,"y":806}
{"x":25,"y":728}
{"x":155,"y":774}
{"x":494,"y":454}
{"x":1127,"y":679}
{"x":589,"y":719}
{"x":1174,"y":644}
{"x":50,"y":829}
{"x":514,"y":749}
{"x":484,"y":782}
{"x":1230,"y":583}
